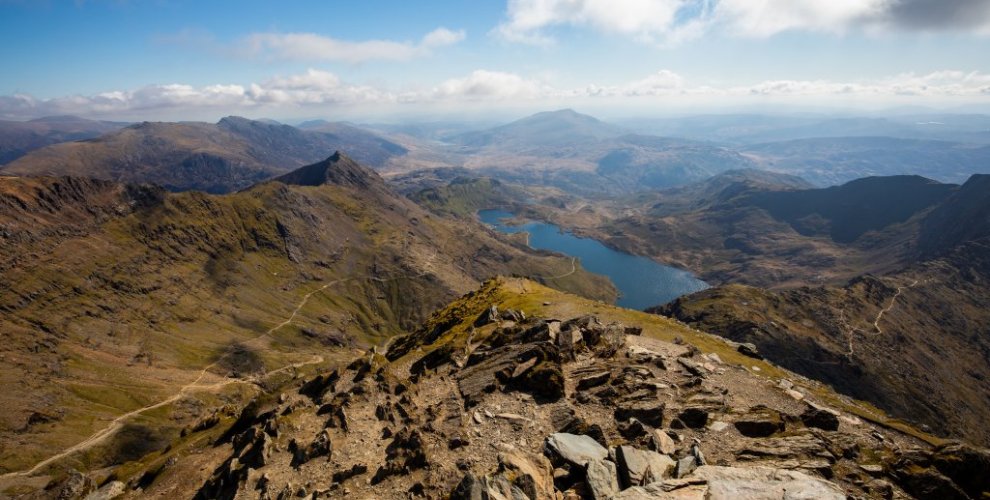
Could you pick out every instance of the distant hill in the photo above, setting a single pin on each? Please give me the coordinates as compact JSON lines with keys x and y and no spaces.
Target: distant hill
{"x":962,"y":218}
{"x":772,"y":230}
{"x":579,"y":153}
{"x":564,"y":127}
{"x":848,"y":211}
{"x":742,"y":129}
{"x":369,"y":147}
{"x":913,"y":340}
{"x":835,"y":160}
{"x":19,"y":138}
{"x":217,"y":158}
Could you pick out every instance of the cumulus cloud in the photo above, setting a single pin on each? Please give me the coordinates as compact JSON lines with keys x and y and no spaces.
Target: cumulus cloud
{"x":769,"y":17}
{"x":490,"y":85}
{"x":317,"y":88}
{"x":669,"y":22}
{"x":315,"y":47}
{"x":644,"y":19}
{"x":314,"y":87}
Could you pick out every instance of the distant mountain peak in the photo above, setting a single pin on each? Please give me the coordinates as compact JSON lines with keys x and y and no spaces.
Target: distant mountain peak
{"x":338,"y":169}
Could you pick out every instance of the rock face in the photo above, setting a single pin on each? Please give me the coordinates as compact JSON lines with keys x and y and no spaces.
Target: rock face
{"x":759,"y":422}
{"x":758,"y":483}
{"x":639,"y":467}
{"x":576,"y":450}
{"x":451,"y":413}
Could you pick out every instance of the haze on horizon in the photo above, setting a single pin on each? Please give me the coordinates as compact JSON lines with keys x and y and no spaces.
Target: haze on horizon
{"x":176,"y":60}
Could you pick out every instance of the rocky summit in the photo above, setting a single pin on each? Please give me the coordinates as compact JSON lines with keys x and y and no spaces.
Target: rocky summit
{"x":517,"y":391}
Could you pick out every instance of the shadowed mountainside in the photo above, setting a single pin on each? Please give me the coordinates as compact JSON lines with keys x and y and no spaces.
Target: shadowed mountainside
{"x":914,"y":341}
{"x":765,"y":229}
{"x":232,"y":154}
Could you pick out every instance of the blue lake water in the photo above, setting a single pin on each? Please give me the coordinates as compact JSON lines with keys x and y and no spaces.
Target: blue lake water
{"x":641,"y":282}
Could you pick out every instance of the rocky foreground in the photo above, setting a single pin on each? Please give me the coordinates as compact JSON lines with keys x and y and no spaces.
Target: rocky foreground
{"x":487,"y":402}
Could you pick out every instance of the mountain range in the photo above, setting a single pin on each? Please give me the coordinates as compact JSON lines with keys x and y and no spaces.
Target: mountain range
{"x":227,"y":156}
{"x":18,"y":138}
{"x":558,"y":149}
{"x":912,"y":341}
{"x":222,"y":311}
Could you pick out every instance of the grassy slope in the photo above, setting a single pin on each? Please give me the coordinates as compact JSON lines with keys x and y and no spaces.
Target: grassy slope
{"x":182,"y":282}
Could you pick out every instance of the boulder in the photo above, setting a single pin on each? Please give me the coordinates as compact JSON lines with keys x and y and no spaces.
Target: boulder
{"x":760,"y":421}
{"x":748,"y":349}
{"x":75,"y":485}
{"x":533,"y":474}
{"x":109,"y":491}
{"x":685,"y":466}
{"x":821,"y":418}
{"x":319,"y":447}
{"x":650,"y":412}
{"x":545,"y":380}
{"x":601,"y":477}
{"x":490,"y":315}
{"x":967,"y":466}
{"x":691,"y":367}
{"x":574,"y":449}
{"x":593,"y":380}
{"x":662,"y":443}
{"x":764,"y":483}
{"x":632,"y":429}
{"x":696,"y":490}
{"x":639,"y":467}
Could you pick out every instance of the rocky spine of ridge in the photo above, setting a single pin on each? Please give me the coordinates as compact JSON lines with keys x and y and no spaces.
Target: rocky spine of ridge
{"x":338,"y":170}
{"x":558,"y":408}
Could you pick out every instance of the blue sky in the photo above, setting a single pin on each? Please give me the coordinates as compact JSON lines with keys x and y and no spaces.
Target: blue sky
{"x":170,"y":59}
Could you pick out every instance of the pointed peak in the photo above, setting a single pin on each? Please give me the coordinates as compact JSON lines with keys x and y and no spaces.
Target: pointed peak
{"x":337,"y":169}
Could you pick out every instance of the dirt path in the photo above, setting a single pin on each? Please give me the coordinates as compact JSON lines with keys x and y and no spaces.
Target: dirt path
{"x":572,"y":271}
{"x":850,"y":331}
{"x":118,"y":422}
{"x":876,"y":322}
{"x":115,"y":424}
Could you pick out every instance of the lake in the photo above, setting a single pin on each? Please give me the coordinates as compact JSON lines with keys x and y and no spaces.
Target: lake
{"x":641,"y":282}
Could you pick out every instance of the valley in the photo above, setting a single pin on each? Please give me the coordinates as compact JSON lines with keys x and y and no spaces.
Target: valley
{"x":509,"y":250}
{"x":153,"y":310}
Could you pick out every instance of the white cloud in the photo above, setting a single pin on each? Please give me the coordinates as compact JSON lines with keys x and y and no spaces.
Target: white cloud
{"x":314,"y":47}
{"x":489,"y":85}
{"x":316,"y":88}
{"x":670,"y":22}
{"x":643,"y":19}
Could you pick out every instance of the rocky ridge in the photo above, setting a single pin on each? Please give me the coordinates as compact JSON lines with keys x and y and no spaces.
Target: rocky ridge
{"x":516,"y":391}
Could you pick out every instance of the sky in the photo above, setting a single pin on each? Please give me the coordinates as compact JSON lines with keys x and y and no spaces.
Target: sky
{"x":392,"y":60}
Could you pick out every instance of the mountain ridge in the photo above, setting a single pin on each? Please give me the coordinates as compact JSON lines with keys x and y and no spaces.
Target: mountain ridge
{"x":147,"y":287}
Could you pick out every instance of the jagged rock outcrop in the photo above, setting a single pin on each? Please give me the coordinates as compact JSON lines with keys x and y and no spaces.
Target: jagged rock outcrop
{"x":461,"y":427}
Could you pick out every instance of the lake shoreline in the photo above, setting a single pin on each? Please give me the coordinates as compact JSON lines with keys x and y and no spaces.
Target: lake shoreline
{"x":641,"y":282}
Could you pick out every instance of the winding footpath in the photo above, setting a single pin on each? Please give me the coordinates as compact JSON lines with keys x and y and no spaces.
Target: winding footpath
{"x":876,"y":322}
{"x":850,"y":331}
{"x":194,"y":386}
